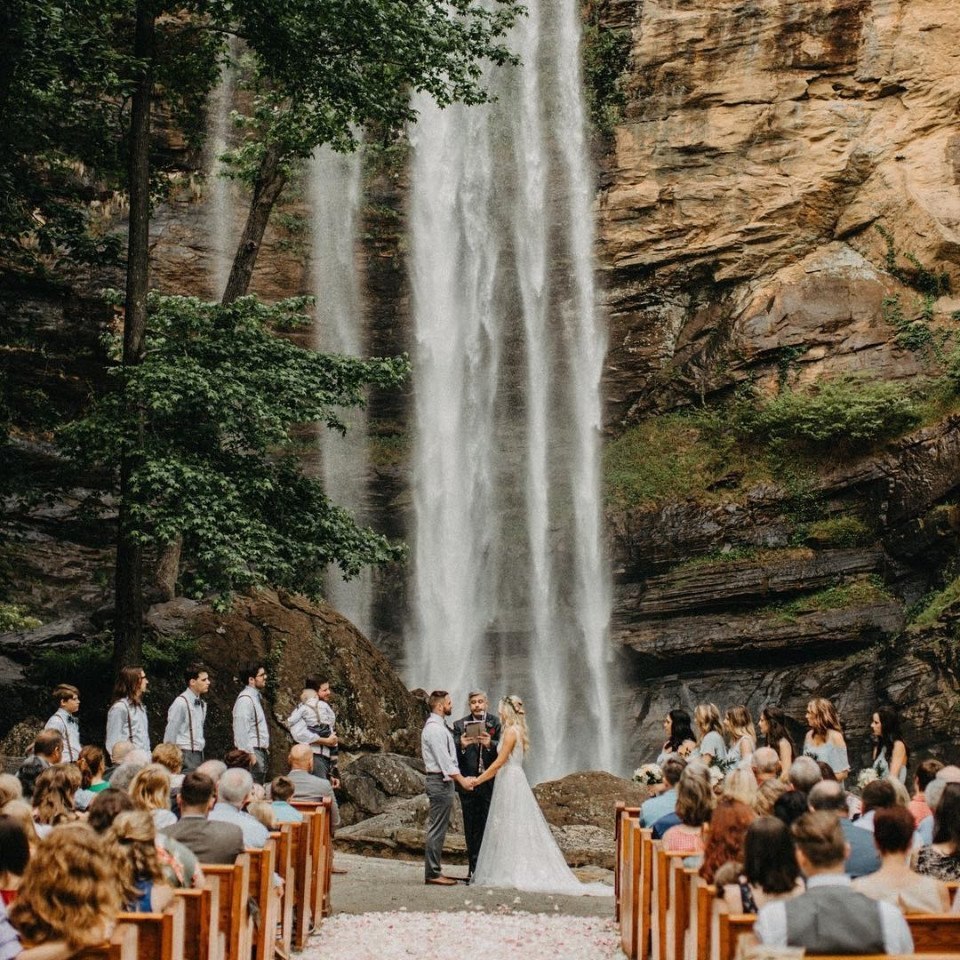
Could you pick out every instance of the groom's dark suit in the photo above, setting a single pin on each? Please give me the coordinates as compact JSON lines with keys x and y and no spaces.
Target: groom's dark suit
{"x":476,"y":803}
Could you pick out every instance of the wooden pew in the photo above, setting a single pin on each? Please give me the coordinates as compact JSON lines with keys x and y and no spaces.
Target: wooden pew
{"x":731,"y":928}
{"x":320,"y":818}
{"x":201,"y":929}
{"x":934,"y":932}
{"x":304,"y":878}
{"x":622,"y":817}
{"x":234,"y":919}
{"x":645,"y":925}
{"x":705,"y":899}
{"x":662,"y":940}
{"x":286,"y":868}
{"x":628,"y":870}
{"x":122,"y":945}
{"x":160,"y":936}
{"x":262,"y":889}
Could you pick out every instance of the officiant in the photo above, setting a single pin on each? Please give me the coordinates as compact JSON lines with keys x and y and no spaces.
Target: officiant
{"x":476,"y":737}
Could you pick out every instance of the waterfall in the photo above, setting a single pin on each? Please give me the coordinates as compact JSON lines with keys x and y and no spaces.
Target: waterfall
{"x":334,"y":195}
{"x":511,"y":586}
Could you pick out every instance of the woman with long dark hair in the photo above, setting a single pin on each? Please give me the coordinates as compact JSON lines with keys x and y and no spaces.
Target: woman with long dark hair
{"x":680,"y":736}
{"x":941,"y":858}
{"x":770,"y":870}
{"x":890,"y":752}
{"x":773,"y":729}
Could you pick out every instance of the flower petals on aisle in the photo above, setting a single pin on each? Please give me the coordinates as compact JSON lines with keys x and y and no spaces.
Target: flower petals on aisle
{"x":400,"y":936}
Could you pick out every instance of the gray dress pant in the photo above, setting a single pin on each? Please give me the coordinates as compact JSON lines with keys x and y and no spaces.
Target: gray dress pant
{"x":440,"y":793}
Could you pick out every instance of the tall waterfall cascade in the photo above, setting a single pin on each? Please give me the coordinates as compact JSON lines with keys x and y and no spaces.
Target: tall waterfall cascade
{"x":511,"y":586}
{"x":335,"y":195}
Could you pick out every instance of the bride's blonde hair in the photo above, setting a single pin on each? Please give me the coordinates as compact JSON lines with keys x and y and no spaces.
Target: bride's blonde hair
{"x":513,"y":715}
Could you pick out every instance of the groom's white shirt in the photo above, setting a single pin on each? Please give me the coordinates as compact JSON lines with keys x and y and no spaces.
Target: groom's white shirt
{"x":436,"y":745}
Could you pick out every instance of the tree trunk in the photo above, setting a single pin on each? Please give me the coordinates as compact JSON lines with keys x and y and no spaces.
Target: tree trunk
{"x":128,"y":610}
{"x":266,"y":191}
{"x":167,"y":571}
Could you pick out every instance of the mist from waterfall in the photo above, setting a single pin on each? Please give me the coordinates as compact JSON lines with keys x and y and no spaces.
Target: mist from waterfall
{"x":511,"y":586}
{"x":334,"y":194}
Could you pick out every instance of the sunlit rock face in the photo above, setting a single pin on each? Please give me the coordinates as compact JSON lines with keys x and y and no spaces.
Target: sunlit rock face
{"x":761,"y":144}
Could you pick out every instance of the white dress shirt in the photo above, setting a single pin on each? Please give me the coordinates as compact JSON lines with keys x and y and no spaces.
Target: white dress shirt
{"x":771,"y":926}
{"x":65,"y":723}
{"x":437,"y":747}
{"x":250,"y":731}
{"x":311,"y":714}
{"x":185,"y":720}
{"x":127,"y":720}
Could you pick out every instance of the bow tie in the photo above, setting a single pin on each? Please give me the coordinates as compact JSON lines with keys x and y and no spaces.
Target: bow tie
{"x":73,"y":720}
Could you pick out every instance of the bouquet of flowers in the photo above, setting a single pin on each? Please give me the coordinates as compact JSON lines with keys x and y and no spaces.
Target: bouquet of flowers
{"x":717,"y":775}
{"x":649,"y":774}
{"x":866,"y":775}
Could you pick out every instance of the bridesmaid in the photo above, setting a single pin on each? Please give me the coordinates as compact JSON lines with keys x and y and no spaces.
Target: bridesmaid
{"x":824,"y":740}
{"x":743,"y":737}
{"x":710,"y":747}
{"x":889,"y":751}
{"x":773,"y":727}
{"x":680,"y":738}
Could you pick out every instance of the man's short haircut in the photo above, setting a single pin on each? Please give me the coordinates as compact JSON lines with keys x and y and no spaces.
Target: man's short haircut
{"x":819,"y":836}
{"x":790,"y":806}
{"x":252,"y":669}
{"x":927,"y":771}
{"x":235,"y":786}
{"x":827,"y":796}
{"x":213,"y":769}
{"x":315,"y":682}
{"x":804,"y":773}
{"x":281,"y":788}
{"x":64,"y":691}
{"x":120,"y":751}
{"x":196,"y":790}
{"x":477,"y":693}
{"x":766,"y":760}
{"x":893,"y":829}
{"x":192,"y":672}
{"x":673,"y":768}
{"x":47,"y":743}
{"x":436,"y":698}
{"x":879,"y":795}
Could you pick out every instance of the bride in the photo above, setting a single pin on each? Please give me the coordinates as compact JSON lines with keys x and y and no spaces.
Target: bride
{"x":518,"y":849}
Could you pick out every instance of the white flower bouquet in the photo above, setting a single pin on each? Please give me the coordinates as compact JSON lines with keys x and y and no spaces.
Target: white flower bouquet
{"x":866,"y":775}
{"x":717,"y":775}
{"x":649,"y":774}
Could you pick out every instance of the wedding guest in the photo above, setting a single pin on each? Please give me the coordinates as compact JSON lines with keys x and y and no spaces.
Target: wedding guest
{"x":92,"y":765}
{"x":652,"y":809}
{"x":281,"y":792}
{"x":770,"y":870}
{"x":121,"y":750}
{"x":767,"y":795}
{"x":106,"y":806}
{"x":933,"y":794}
{"x":773,"y":729}
{"x":790,"y":806}
{"x":69,"y":894}
{"x":47,"y":752}
{"x":890,"y":753}
{"x":262,"y":811}
{"x":738,"y":725}
{"x":725,"y":838}
{"x":14,"y":856}
{"x":710,"y":746}
{"x":22,"y":812}
{"x":250,"y":730}
{"x":314,"y":722}
{"x":824,"y":739}
{"x":237,"y":759}
{"x":131,"y":838}
{"x":927,"y":770}
{"x":695,"y":801}
{"x":10,"y":788}
{"x":150,"y":790}
{"x":187,"y":715}
{"x":233,"y":793}
{"x":830,"y":917}
{"x":127,"y":716}
{"x":64,"y":721}
{"x":53,"y":800}
{"x":895,"y":882}
{"x":804,"y":772}
{"x":765,"y":764}
{"x":679,"y":733}
{"x":170,"y":757}
{"x":306,"y":786}
{"x":862,"y":857}
{"x":214,"y":769}
{"x":209,"y":840}
{"x":942,"y":857}
{"x":740,"y":784}
{"x":133,"y":763}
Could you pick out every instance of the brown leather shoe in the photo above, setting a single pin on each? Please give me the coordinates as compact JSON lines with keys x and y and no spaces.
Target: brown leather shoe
{"x":442,"y":881}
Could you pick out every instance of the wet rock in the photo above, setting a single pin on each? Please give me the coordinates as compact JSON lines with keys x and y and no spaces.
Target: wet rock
{"x":371,"y":781}
{"x":586,"y":798}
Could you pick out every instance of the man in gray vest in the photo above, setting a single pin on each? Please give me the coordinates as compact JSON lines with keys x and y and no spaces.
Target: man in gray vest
{"x":830,"y":917}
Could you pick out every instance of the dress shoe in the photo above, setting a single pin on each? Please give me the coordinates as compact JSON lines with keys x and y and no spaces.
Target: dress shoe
{"x":442,"y":881}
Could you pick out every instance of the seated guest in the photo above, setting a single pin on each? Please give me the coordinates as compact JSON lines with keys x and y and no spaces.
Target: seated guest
{"x":695,"y":800}
{"x":211,"y":841}
{"x":766,"y":764}
{"x":281,"y":791}
{"x":47,"y":751}
{"x":262,"y":810}
{"x":10,"y":788}
{"x":69,"y":894}
{"x":214,"y":769}
{"x":105,"y":807}
{"x":131,"y":838}
{"x":92,"y":765}
{"x":22,"y":812}
{"x":942,"y":857}
{"x":789,"y":806}
{"x":770,"y":870}
{"x":121,"y":750}
{"x":926,"y":771}
{"x":862,"y":857}
{"x":237,"y":759}
{"x":233,"y":792}
{"x":53,"y":800}
{"x":895,"y":882}
{"x":133,"y":763}
{"x":769,"y":793}
{"x":14,"y":856}
{"x":883,"y":794}
{"x":170,"y":756}
{"x":933,"y":793}
{"x":305,"y":785}
{"x":830,"y":917}
{"x":150,"y":790}
{"x":725,"y":838}
{"x":804,"y":772}
{"x":740,"y":784}
{"x":652,"y":809}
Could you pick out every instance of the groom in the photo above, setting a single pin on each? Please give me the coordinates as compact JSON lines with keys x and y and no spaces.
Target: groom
{"x":474,"y":756}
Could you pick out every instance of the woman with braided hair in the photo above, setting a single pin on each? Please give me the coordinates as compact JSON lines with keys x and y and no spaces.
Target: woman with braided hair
{"x":518,"y":849}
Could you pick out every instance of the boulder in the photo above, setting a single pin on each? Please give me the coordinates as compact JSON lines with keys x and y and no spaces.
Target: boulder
{"x":370,"y":782}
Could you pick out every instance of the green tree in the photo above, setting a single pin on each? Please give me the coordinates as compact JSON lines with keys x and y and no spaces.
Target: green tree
{"x":207,"y":420}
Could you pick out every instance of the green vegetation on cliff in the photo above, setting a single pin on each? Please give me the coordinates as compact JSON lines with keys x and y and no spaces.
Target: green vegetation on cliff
{"x":933,"y":607}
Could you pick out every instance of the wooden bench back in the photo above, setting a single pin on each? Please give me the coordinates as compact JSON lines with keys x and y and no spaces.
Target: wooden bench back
{"x":629,"y":853}
{"x":160,"y":936}
{"x":623,"y":815}
{"x":201,"y":926}
{"x":122,"y":945}
{"x":260,"y":887}
{"x":732,"y":927}
{"x":234,"y":919}
{"x":934,"y":932}
{"x":285,"y":867}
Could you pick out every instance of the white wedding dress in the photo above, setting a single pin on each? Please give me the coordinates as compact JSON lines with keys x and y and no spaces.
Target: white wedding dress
{"x":518,"y":849}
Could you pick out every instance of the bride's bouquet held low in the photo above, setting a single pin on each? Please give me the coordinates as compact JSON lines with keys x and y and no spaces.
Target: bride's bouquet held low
{"x":649,"y":774}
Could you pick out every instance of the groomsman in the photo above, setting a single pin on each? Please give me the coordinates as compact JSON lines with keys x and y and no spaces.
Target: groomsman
{"x":187,"y":715}
{"x":473,"y":757}
{"x":440,"y":762}
{"x":64,"y":721}
{"x":250,"y":731}
{"x":127,"y":716}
